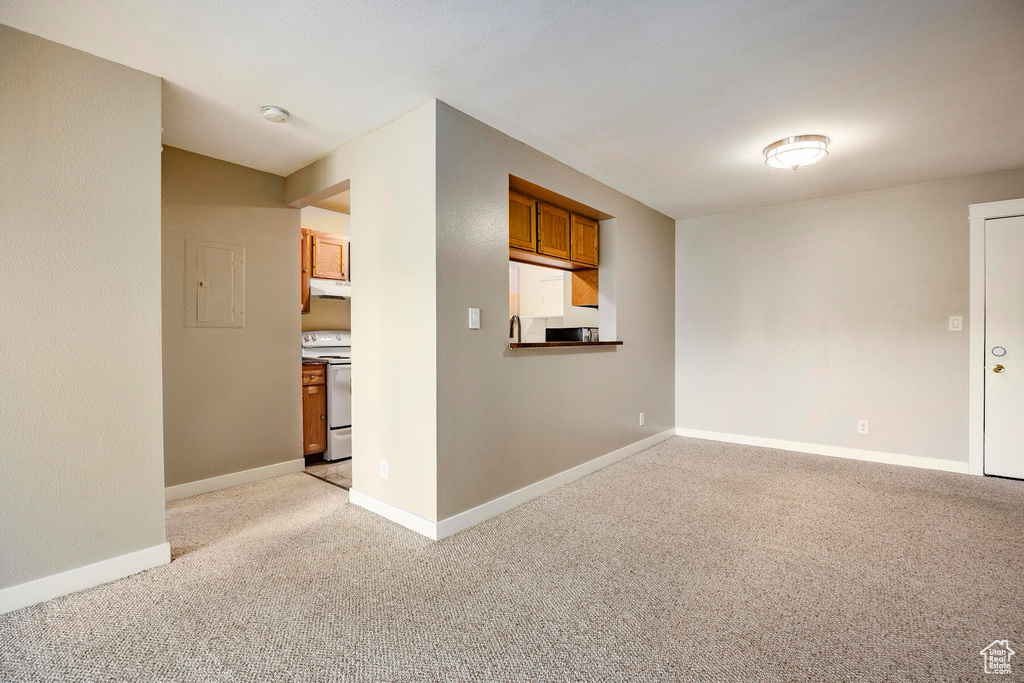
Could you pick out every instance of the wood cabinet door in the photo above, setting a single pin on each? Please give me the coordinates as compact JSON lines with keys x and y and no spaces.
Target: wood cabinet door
{"x":314,"y":419}
{"x":584,"y":287}
{"x":522,"y":222}
{"x":552,"y":231}
{"x":583,"y":240}
{"x":329,"y":257}
{"x":305,"y":265}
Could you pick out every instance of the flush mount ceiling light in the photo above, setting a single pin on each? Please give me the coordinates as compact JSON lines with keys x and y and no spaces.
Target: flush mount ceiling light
{"x":275,"y":114}
{"x":796,"y":152}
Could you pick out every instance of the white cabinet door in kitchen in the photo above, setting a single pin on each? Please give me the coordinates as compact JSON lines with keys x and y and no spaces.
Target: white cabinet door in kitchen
{"x":339,"y":395}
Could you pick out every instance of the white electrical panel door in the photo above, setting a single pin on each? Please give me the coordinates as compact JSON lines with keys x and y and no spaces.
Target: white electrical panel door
{"x":214,"y":284}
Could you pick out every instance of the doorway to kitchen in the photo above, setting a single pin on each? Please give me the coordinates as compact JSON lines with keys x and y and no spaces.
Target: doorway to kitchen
{"x":326,"y":338}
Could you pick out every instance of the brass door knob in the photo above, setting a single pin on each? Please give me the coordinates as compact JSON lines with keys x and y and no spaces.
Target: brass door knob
{"x":998,"y":368}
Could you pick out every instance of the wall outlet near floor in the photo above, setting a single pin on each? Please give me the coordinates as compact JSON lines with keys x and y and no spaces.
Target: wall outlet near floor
{"x":862,"y":426}
{"x":641,"y":419}
{"x":384,"y":471}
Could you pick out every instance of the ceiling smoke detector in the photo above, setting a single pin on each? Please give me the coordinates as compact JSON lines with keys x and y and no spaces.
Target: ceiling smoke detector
{"x":275,"y":114}
{"x":796,"y":152}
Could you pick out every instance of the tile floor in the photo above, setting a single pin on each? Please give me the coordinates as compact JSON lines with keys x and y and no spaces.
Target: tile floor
{"x":337,"y":473}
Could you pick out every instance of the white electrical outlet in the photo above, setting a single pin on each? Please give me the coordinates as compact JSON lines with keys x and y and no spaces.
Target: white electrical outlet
{"x":383,"y":468}
{"x":862,"y":426}
{"x":641,"y":419}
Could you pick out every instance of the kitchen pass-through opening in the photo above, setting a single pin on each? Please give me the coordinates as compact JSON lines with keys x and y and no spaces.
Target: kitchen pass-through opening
{"x":560,"y":269}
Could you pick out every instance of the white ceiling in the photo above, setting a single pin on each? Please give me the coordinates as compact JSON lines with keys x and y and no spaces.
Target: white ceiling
{"x":670,"y":102}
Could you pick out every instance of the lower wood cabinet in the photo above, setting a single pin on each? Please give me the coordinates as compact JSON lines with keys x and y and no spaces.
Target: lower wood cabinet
{"x":314,"y":409}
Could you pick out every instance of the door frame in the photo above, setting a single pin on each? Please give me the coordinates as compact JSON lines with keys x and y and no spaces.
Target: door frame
{"x":978,"y":214}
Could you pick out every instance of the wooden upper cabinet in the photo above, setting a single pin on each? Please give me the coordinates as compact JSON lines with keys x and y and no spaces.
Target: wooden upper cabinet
{"x":552,"y":231}
{"x":583,"y":240}
{"x":305,"y":257}
{"x":522,"y":222}
{"x":328,"y":257}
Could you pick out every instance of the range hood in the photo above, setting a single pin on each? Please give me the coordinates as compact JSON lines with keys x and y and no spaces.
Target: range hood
{"x":323,"y":288}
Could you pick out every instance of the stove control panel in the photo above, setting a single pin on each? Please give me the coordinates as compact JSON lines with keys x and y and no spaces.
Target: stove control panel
{"x":318,"y":338}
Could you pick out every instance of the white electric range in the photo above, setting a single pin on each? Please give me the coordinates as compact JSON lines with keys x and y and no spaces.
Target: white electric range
{"x":334,"y":347}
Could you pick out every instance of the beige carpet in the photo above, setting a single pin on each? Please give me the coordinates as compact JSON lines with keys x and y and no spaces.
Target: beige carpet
{"x":690,"y":561}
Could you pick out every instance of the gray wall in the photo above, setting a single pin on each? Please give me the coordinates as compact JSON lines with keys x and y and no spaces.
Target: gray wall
{"x":507,"y":419}
{"x":81,"y":446}
{"x":232,"y":397}
{"x":795,"y":321}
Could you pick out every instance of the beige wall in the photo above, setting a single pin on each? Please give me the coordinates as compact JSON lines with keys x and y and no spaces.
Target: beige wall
{"x":391,"y":172}
{"x":795,"y":321}
{"x":81,"y":448}
{"x":328,"y":314}
{"x":511,"y":418}
{"x":231,"y":396}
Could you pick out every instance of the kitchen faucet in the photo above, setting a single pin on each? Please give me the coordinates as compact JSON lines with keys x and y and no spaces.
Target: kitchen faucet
{"x":515,"y":324}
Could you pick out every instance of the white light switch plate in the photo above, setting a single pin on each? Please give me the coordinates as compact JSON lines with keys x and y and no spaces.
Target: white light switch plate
{"x":474,"y":318}
{"x":956,"y":323}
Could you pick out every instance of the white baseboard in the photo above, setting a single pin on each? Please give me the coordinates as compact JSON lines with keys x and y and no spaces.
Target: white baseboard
{"x":409,"y":520}
{"x":194,"y":488}
{"x":74,"y":580}
{"x":472,"y":517}
{"x":833,"y":451}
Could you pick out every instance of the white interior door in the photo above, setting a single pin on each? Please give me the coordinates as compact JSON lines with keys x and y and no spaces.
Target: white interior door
{"x":1004,"y":347}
